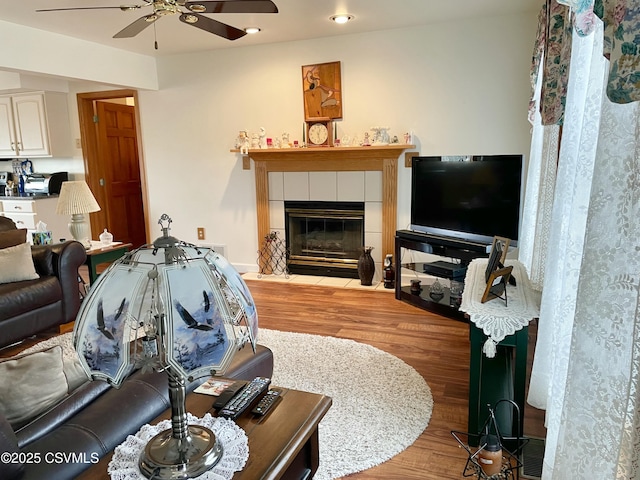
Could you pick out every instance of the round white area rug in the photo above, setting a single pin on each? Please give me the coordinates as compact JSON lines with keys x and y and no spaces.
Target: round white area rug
{"x":381,"y":405}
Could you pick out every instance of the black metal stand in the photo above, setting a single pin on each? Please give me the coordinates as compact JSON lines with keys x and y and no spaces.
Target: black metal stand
{"x":511,"y":447}
{"x":273,"y":257}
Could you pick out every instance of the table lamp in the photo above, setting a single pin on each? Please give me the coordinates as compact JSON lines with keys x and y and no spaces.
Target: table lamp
{"x":76,"y":199}
{"x":173,"y":307}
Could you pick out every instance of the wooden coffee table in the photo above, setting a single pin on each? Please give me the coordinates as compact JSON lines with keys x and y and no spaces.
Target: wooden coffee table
{"x":282,"y":445}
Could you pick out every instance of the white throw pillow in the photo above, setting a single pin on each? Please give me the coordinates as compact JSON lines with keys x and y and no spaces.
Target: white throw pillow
{"x":16,"y":264}
{"x":31,"y":384}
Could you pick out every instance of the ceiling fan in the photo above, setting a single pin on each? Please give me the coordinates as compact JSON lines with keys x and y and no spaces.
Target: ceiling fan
{"x":190,"y":16}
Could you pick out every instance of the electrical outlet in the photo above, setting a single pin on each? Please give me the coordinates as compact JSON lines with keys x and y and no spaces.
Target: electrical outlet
{"x":78,"y":143}
{"x":200,"y":233}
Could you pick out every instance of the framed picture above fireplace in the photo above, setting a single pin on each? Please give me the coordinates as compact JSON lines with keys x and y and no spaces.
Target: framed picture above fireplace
{"x":322,"y":91}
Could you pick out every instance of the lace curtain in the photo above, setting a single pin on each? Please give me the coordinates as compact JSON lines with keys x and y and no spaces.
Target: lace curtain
{"x":539,"y":192}
{"x":587,"y":359}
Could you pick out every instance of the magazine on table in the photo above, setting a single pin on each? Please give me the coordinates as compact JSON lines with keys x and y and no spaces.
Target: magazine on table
{"x":214,"y":386}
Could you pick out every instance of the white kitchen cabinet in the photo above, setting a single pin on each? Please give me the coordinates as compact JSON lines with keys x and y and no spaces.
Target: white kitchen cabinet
{"x":33,"y":125}
{"x":26,"y":212}
{"x":7,"y":130}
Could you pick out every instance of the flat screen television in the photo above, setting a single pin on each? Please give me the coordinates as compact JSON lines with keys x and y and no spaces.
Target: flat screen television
{"x":472,"y":199}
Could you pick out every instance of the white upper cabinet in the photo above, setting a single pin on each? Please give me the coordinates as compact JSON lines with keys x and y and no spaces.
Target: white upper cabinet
{"x":7,"y":131}
{"x":34,"y":125}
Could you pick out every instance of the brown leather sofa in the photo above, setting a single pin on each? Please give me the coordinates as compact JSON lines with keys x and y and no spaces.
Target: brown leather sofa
{"x":95,"y":418}
{"x":31,"y":306}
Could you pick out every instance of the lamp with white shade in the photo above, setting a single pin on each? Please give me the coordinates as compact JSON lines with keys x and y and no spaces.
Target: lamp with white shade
{"x":76,"y":199}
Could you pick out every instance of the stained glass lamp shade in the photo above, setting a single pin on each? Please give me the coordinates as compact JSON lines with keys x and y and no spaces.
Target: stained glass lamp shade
{"x":174,"y":307}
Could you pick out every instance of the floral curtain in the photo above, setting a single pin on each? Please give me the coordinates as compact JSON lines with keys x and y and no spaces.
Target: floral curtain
{"x":557,"y":22}
{"x":587,"y":360}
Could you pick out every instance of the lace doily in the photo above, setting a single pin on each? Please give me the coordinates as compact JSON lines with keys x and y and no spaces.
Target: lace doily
{"x":235,"y":444}
{"x":496,"y":319}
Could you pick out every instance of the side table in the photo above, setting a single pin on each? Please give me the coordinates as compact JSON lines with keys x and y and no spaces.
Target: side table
{"x":99,"y":254}
{"x":499,"y":336}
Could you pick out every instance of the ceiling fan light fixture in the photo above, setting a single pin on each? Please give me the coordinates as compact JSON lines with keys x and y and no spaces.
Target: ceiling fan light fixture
{"x":151,"y":18}
{"x":341,"y":18}
{"x":198,"y":8}
{"x":190,"y":18}
{"x":252,"y":30}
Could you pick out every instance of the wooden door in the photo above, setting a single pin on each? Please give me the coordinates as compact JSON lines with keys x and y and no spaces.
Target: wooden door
{"x":117,"y":144}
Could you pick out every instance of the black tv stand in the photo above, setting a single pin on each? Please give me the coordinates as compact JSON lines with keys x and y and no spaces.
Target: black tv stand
{"x":462,"y":250}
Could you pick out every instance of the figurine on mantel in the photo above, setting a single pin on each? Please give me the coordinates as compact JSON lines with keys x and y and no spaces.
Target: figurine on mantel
{"x":285,"y":140}
{"x":263,"y":138}
{"x":255,"y":141}
{"x":243,"y":142}
{"x":381,"y":135}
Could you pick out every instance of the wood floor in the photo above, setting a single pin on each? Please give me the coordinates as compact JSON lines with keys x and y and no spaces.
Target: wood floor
{"x":437,"y":347}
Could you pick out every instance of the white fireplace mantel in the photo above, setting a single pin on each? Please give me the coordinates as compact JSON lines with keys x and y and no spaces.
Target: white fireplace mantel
{"x":324,"y":159}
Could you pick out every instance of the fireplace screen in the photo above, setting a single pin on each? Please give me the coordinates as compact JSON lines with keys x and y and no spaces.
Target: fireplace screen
{"x":324,"y":238}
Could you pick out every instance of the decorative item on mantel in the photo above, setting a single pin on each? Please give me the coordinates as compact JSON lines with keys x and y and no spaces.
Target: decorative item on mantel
{"x":172,"y":307}
{"x":380,"y":136}
{"x":366,"y":267}
{"x":273,"y":257}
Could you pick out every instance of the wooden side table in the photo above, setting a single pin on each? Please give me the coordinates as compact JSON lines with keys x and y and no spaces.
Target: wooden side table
{"x":99,"y":254}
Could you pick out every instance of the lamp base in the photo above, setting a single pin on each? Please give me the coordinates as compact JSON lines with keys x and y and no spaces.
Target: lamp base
{"x":169,"y":458}
{"x":80,"y":230}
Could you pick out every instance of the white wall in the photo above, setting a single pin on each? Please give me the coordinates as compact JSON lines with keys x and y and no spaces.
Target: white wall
{"x":462,"y":88}
{"x":31,"y":50}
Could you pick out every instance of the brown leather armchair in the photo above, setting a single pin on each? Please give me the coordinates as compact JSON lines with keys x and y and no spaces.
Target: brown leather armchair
{"x":31,"y":306}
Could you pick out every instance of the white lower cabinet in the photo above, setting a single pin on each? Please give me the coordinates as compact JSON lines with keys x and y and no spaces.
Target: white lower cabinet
{"x":27,"y":212}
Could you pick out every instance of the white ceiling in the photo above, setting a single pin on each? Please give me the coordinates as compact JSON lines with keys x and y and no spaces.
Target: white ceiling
{"x":296,"y":20}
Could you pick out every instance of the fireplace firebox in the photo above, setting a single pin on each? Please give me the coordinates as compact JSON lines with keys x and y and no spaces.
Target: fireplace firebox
{"x":324,"y":238}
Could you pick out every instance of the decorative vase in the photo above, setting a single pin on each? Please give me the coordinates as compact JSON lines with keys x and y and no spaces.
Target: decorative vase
{"x":389,"y":272}
{"x":366,"y":266}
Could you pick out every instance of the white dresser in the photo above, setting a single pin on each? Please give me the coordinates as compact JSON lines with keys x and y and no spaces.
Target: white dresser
{"x":26,"y":212}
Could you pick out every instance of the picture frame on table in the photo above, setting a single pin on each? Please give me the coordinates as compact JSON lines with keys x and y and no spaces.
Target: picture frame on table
{"x":497,"y":255}
{"x":497,"y":285}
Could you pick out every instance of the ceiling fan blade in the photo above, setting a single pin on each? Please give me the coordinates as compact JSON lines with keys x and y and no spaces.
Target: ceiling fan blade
{"x":232,"y":6}
{"x":212,"y":26}
{"x":121,"y":7}
{"x":136,"y":27}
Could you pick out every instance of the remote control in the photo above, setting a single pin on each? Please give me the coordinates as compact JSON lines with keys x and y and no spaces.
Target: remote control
{"x":245,"y":398}
{"x":266,"y":402}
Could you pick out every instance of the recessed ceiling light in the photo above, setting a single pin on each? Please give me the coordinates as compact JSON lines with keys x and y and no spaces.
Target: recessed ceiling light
{"x":251,"y":30}
{"x":342,"y":18}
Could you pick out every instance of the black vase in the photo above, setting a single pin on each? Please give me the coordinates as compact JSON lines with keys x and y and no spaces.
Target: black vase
{"x":366,"y":266}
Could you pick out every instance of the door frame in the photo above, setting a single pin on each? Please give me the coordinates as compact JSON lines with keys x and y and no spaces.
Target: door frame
{"x":91,"y":154}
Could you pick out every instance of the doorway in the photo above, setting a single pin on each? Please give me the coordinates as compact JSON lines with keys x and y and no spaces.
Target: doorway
{"x":113,"y":162}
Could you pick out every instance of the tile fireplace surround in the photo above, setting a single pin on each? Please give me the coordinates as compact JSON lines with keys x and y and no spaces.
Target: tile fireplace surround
{"x":362,"y":174}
